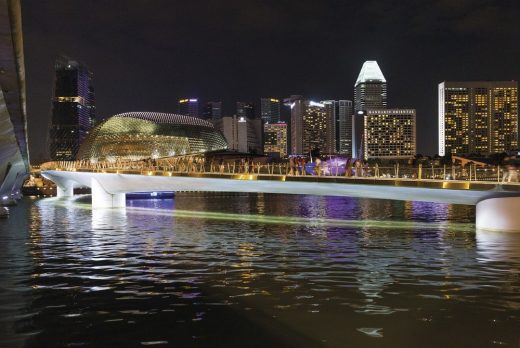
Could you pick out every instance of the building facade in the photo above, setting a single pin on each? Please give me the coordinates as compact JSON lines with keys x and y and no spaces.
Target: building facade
{"x":245,"y":110}
{"x":212,"y":111}
{"x":344,"y":129}
{"x":275,"y":139}
{"x":189,"y":107}
{"x":478,"y":117}
{"x":313,"y":126}
{"x":389,"y":133}
{"x":242,"y":134}
{"x":73,"y":108}
{"x":316,"y":131}
{"x":296,"y":103}
{"x":370,"y":92}
{"x":270,"y":110}
{"x":331,"y":109}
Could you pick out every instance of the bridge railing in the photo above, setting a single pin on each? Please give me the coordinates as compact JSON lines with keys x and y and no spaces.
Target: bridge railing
{"x":195,"y":165}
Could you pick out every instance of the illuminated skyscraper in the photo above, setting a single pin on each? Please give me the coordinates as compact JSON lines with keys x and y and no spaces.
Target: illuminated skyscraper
{"x":189,"y":107}
{"x":296,"y":103}
{"x":275,"y":139}
{"x":270,"y":110}
{"x":344,"y":127}
{"x":312,"y":125}
{"x":478,"y":117}
{"x":73,"y":110}
{"x":369,"y":93}
{"x":370,"y":88}
{"x":389,"y":133}
{"x":212,"y":111}
{"x":245,"y":110}
{"x":331,"y":108}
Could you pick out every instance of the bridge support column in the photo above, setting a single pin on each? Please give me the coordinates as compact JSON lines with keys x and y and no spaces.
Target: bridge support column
{"x":102,"y":199}
{"x":65,"y":189}
{"x":499,"y":214}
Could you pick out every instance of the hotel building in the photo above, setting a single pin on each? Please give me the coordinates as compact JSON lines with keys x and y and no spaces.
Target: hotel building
{"x":389,"y":133}
{"x":312,"y":126}
{"x":478,"y":117}
{"x":275,"y":139}
{"x":242,"y":134}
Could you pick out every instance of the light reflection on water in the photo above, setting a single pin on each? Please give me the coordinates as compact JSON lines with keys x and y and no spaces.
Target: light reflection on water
{"x":255,"y":269}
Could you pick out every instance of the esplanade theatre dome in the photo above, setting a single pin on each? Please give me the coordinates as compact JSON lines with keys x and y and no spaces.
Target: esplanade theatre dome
{"x":143,"y":135}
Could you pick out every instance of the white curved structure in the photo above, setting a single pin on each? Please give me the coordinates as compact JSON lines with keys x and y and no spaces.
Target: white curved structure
{"x":370,"y":72}
{"x":500,"y":212}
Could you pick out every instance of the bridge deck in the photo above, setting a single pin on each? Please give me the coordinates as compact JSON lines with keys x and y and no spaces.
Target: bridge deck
{"x":445,"y":191}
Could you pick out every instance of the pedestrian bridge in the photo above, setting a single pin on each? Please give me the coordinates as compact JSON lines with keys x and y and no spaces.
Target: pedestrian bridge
{"x":497,"y":204}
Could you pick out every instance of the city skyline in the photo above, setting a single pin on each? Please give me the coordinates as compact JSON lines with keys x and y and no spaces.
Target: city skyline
{"x":226,"y":229}
{"x":149,"y":66}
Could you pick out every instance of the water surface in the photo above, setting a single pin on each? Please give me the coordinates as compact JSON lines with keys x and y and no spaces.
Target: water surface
{"x":254,"y":270}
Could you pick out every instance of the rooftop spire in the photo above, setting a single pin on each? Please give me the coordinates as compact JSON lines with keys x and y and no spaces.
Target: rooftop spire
{"x":370,"y":72}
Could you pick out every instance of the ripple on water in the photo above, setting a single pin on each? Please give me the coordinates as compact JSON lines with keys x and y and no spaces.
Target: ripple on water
{"x":306,"y":269}
{"x":376,"y":332}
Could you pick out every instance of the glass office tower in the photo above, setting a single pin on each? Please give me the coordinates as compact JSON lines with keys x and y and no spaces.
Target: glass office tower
{"x":73,"y":108}
{"x":270,"y":110}
{"x":369,"y":93}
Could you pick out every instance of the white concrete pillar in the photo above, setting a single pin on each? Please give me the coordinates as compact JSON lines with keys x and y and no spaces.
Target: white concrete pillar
{"x":499,"y":214}
{"x":65,"y":188}
{"x":102,"y":199}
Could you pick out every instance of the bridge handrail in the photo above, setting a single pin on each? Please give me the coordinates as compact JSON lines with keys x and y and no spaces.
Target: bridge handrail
{"x":470,"y":173}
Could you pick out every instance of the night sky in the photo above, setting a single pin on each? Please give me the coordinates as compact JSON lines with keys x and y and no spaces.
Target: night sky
{"x":146,"y":54}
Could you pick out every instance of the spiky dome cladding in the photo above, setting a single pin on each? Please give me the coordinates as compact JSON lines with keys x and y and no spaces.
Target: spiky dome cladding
{"x":142,"y":135}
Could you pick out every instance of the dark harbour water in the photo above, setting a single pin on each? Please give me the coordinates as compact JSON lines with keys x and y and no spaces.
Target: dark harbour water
{"x":248,"y":270}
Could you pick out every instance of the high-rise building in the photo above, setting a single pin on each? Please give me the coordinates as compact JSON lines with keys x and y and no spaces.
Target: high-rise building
{"x":73,"y":109}
{"x":189,"y":107}
{"x":312,"y":126}
{"x":330,"y":126}
{"x":296,"y":103}
{"x":478,"y":117}
{"x":316,"y":131}
{"x":242,"y":134}
{"x":270,"y":110}
{"x":369,"y":93}
{"x":275,"y":139}
{"x":344,"y":127}
{"x":212,"y":111}
{"x":370,"y":88}
{"x":389,"y":133}
{"x":245,"y":110}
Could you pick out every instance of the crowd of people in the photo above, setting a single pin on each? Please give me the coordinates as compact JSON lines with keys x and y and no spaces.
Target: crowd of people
{"x":293,"y":166}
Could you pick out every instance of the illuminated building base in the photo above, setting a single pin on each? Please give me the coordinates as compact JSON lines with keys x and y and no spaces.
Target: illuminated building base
{"x":499,"y":214}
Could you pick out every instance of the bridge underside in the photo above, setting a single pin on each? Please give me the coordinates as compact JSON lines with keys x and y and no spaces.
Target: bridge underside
{"x":14,"y":163}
